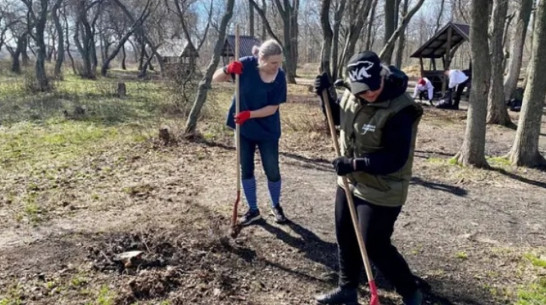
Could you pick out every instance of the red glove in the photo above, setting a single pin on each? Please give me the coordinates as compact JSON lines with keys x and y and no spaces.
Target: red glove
{"x":234,"y":67}
{"x":242,"y":117}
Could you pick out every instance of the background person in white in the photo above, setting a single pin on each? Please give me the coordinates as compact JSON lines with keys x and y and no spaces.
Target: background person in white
{"x":459,"y":80}
{"x":424,"y":84}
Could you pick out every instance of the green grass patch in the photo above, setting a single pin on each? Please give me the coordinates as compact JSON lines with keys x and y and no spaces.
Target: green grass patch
{"x":105,"y":297}
{"x":535,"y":260}
{"x":57,"y":142}
{"x":462,"y":255}
{"x":498,"y":161}
{"x":144,"y":101}
{"x":533,"y":294}
{"x":13,"y":296}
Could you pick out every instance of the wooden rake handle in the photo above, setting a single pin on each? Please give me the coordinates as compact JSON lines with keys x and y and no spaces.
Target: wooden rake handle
{"x":374,"y":300}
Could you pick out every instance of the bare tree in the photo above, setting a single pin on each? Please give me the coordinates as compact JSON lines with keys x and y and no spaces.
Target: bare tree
{"x":356,"y":14}
{"x":14,"y":30}
{"x":369,"y":36}
{"x":439,"y":18}
{"x":123,"y":39}
{"x":67,"y":40}
{"x":60,"y":38}
{"x":525,"y":151}
{"x":288,"y":11}
{"x":338,"y":14}
{"x":143,"y":35}
{"x":472,"y":152}
{"x":87,"y":13}
{"x":516,"y":48}
{"x":327,"y":35}
{"x":250,"y":19}
{"x":497,"y":113}
{"x":402,"y":40}
{"x":390,"y":16}
{"x":37,"y":12}
{"x":204,"y":84}
{"x":386,"y":52}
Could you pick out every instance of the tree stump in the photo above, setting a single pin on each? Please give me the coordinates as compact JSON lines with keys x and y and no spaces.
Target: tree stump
{"x":122,"y":90}
{"x":164,"y":135}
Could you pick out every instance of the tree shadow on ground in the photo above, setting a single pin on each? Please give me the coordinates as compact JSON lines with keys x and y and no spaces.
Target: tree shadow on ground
{"x":427,"y":153}
{"x":313,"y":247}
{"x":313,"y":163}
{"x":301,"y":161}
{"x":522,"y":179}
{"x":455,"y":190}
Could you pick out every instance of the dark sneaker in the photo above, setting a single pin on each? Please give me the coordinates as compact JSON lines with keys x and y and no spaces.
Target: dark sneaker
{"x":431,"y":103}
{"x":339,"y":295}
{"x":250,"y":217}
{"x":415,"y":299}
{"x":279,"y":214}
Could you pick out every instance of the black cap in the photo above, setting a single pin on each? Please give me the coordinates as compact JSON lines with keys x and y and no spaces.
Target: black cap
{"x":364,"y":71}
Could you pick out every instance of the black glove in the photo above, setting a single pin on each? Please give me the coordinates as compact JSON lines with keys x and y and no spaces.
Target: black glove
{"x":343,"y":165}
{"x":322,"y":82}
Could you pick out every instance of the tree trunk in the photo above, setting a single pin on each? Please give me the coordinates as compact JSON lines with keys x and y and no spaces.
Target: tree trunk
{"x":472,"y":152}
{"x":390,"y":15}
{"x":516,"y":48}
{"x":386,"y":52}
{"x":73,"y":64}
{"x":204,"y":84}
{"x":358,"y":12}
{"x":402,"y":40}
{"x":327,"y":36}
{"x":24,"y":52}
{"x":338,"y":15}
{"x":15,"y":62}
{"x":250,"y":19}
{"x":369,"y":39}
{"x":525,"y":150}
{"x":123,"y":58}
{"x":496,"y":112}
{"x":39,"y":38}
{"x":60,"y":39}
{"x":289,"y":15}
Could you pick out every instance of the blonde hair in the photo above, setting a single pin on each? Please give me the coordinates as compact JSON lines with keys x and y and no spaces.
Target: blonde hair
{"x":268,"y":48}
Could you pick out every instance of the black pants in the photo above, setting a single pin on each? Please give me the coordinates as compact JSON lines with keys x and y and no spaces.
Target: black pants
{"x":376,"y":224}
{"x":459,"y":92}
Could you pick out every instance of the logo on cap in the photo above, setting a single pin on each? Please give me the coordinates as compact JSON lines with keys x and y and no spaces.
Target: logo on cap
{"x":359,"y":74}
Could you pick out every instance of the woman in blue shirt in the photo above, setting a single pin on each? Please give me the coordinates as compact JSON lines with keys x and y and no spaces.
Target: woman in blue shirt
{"x":262,"y":90}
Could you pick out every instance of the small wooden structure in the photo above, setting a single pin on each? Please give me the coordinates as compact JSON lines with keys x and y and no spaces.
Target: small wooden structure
{"x":178,"y":56}
{"x":246,"y":42}
{"x":442,"y":45}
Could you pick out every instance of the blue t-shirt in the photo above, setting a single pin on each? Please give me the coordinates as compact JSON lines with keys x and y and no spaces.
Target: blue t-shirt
{"x":255,"y":94}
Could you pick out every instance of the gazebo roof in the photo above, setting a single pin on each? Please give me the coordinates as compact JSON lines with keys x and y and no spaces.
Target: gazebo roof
{"x":436,"y":47}
{"x":177,"y":48}
{"x":245,"y":45}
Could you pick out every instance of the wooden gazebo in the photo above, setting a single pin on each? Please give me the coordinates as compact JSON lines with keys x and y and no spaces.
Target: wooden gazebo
{"x":442,"y":45}
{"x":246,"y":43}
{"x":178,"y":56}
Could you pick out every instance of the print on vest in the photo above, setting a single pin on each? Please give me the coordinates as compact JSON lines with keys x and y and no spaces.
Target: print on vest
{"x":360,"y":74}
{"x":368,"y":127}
